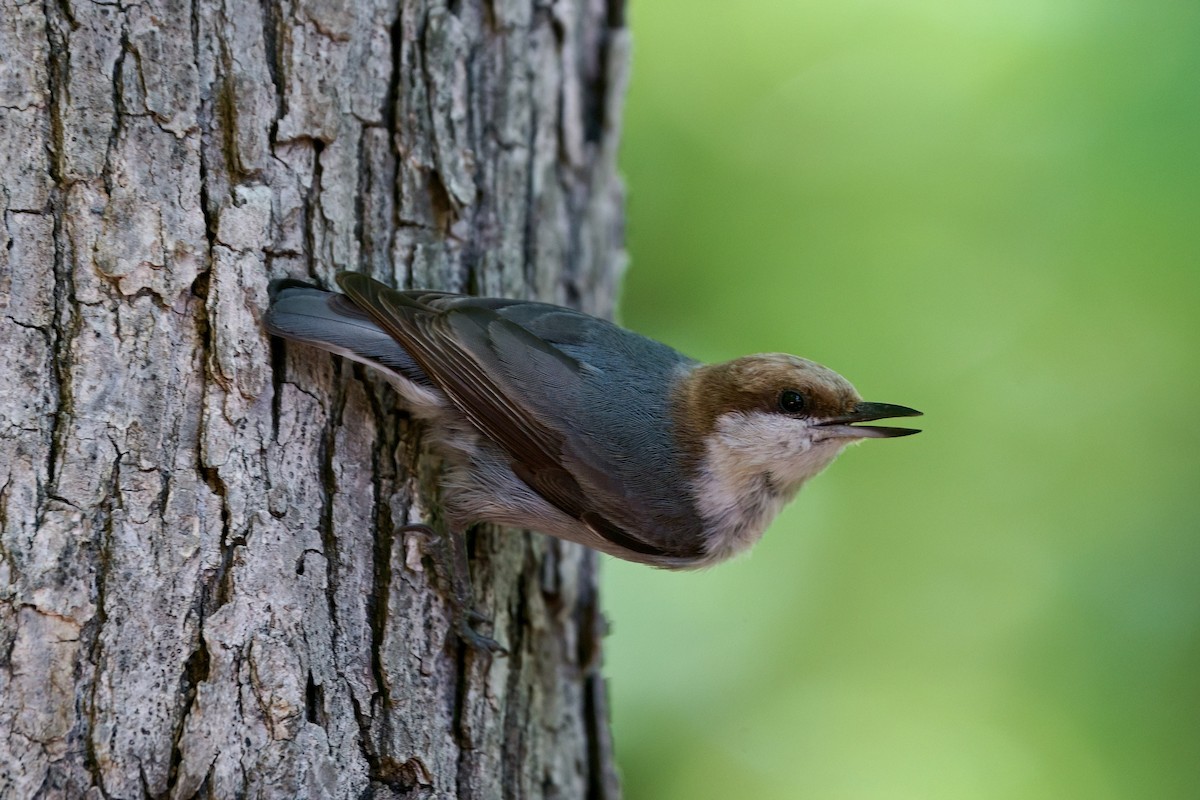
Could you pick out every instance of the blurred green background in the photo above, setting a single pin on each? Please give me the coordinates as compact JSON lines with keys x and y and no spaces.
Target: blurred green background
{"x":989,"y":211}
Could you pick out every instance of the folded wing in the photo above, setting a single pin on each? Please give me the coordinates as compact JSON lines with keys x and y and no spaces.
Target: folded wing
{"x":554,"y":404}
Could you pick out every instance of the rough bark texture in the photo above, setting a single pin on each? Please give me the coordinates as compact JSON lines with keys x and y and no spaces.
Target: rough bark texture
{"x":200,"y":593}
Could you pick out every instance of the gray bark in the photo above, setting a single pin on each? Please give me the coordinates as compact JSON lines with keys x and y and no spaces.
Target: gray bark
{"x":200,"y":590}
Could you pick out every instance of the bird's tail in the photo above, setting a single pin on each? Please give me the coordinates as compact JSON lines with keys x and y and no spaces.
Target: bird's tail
{"x":332,"y":322}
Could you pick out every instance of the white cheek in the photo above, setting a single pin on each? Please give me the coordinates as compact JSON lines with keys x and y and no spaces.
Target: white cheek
{"x":804,"y":464}
{"x":779,"y":446}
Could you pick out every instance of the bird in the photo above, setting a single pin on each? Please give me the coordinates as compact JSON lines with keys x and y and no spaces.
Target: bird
{"x":553,"y":420}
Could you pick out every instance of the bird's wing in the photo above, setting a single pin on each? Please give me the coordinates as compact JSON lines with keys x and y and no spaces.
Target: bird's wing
{"x":487,"y":366}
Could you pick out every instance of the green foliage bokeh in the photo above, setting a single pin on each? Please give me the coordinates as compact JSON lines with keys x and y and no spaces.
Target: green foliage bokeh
{"x":988,"y":211}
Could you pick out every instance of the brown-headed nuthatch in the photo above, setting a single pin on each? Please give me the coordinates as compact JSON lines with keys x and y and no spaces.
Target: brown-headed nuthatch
{"x":556,"y":421}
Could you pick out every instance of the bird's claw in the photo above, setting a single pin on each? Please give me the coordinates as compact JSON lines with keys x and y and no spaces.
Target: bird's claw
{"x":473,"y":638}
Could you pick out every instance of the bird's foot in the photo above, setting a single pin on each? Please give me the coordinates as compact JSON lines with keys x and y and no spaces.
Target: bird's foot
{"x":450,"y":556}
{"x":473,"y":638}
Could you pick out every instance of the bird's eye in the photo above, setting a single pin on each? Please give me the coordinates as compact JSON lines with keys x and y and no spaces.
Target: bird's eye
{"x":791,"y":401}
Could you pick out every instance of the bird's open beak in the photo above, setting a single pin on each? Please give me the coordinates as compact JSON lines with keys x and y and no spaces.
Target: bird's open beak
{"x":844,"y":426}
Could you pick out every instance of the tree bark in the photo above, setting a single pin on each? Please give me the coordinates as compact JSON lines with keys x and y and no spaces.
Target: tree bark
{"x":200,"y":591}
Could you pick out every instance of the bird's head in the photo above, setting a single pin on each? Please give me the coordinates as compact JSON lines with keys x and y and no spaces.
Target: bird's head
{"x":774,"y":415}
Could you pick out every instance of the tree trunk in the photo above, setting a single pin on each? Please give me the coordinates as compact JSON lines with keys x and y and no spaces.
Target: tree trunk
{"x":200,"y":590}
